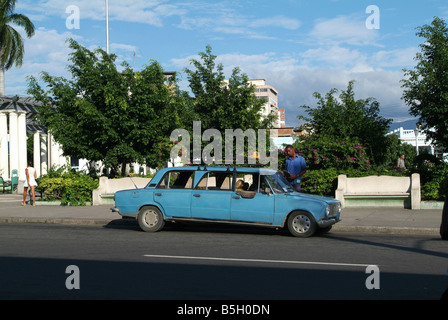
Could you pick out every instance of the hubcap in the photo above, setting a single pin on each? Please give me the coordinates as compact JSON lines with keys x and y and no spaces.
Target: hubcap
{"x":151,"y":218}
{"x":301,"y":223}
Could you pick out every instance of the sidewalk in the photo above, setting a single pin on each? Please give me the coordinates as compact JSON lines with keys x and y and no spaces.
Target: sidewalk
{"x":377,"y":220}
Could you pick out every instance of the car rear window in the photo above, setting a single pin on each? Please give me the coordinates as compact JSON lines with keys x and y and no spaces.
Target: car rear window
{"x":216,"y":181}
{"x":177,"y":180}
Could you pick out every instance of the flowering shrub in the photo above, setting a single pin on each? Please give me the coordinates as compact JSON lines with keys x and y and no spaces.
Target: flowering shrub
{"x":324,"y":153}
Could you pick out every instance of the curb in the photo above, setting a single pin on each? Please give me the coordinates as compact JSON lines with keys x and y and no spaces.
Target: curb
{"x":54,"y":221}
{"x":336,"y":228}
{"x":387,"y":230}
{"x":64,"y":221}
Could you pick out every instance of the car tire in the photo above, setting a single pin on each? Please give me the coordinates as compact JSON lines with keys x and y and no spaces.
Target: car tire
{"x":150,"y":219}
{"x":301,"y":224}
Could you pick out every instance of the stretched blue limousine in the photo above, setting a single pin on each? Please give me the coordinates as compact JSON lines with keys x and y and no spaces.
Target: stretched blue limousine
{"x":251,"y":196}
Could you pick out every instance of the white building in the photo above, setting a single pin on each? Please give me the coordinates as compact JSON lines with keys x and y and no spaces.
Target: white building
{"x":16,"y":127}
{"x":417,"y":139}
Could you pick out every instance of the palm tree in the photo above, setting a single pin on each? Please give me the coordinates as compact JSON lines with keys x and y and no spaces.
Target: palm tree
{"x":11,"y":42}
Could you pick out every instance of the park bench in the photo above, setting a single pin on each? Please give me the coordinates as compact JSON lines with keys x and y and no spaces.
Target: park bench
{"x":379,"y":191}
{"x":107,"y":188}
{"x":5,"y":185}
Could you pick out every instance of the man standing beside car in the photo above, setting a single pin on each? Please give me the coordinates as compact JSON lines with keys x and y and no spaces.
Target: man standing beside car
{"x":295,"y":166}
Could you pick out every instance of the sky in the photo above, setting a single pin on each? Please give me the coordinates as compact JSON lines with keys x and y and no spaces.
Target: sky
{"x":298,"y":47}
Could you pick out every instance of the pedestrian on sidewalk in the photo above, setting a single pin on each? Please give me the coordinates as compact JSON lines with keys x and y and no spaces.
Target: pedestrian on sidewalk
{"x":295,"y":167}
{"x":401,"y":166}
{"x":30,"y":182}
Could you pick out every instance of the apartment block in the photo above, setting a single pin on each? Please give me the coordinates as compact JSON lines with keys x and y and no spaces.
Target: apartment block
{"x":270,"y":95}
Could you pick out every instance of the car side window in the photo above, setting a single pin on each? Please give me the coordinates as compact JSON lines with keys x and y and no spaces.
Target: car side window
{"x":246,"y":185}
{"x":177,"y":180}
{"x":249,"y":182}
{"x":216,"y":181}
{"x":264,"y":185}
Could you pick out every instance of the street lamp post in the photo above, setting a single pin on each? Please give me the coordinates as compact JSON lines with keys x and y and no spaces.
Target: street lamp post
{"x":107,"y":26}
{"x":416,"y":131}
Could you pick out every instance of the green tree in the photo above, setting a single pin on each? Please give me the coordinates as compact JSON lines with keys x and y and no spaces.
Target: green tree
{"x":11,"y":42}
{"x":103,"y":114}
{"x":224,"y":104}
{"x":344,"y":117}
{"x":426,"y":86}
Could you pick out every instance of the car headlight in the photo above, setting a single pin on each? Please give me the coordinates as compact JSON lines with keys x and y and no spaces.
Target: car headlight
{"x":327,"y":211}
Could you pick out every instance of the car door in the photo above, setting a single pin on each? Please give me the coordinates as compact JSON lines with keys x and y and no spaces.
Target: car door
{"x":254,"y":205}
{"x":211,"y":198}
{"x":173,"y":193}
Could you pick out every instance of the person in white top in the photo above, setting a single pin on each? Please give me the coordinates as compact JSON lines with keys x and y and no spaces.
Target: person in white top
{"x":30,"y":182}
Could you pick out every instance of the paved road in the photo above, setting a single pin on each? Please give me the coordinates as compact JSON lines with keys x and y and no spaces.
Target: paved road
{"x":121,"y":262}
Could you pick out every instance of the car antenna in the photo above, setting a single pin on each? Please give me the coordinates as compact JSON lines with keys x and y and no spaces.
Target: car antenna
{"x":133,"y":183}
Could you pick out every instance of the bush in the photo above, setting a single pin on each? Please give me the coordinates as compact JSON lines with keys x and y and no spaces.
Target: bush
{"x":68,"y":186}
{"x":320,"y":182}
{"x":324,"y":182}
{"x":324,"y":153}
{"x":435,"y":184}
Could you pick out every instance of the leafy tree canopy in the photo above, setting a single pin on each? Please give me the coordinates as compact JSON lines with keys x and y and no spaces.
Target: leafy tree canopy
{"x":224,"y":104}
{"x":426,"y":86}
{"x":343,"y":117}
{"x":105,"y":114}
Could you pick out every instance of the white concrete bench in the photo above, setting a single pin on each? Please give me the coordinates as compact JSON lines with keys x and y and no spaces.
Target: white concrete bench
{"x":375,"y":191}
{"x":107,"y":188}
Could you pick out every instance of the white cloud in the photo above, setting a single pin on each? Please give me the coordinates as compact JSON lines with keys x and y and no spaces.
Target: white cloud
{"x":396,"y":58}
{"x":48,"y":51}
{"x":278,"y":21}
{"x":349,"y":30}
{"x":223,"y":17}
{"x":335,"y":56}
{"x":45,"y":51}
{"x":143,"y":11}
{"x":297,"y":80}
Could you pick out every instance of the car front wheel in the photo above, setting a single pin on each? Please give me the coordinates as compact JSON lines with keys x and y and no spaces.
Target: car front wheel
{"x":150,"y":219}
{"x":301,"y":224}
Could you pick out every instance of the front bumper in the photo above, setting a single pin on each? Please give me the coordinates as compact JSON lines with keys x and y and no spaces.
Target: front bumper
{"x":327,"y":222}
{"x":114,"y":209}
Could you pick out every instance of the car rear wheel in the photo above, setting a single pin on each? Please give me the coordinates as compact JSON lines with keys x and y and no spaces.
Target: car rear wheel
{"x":301,"y":224}
{"x":150,"y":219}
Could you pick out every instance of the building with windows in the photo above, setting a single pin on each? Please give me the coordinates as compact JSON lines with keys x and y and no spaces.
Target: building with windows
{"x":270,"y":94}
{"x":419,"y":140}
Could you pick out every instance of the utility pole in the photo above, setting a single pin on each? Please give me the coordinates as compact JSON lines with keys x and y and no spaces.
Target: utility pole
{"x":107,"y":26}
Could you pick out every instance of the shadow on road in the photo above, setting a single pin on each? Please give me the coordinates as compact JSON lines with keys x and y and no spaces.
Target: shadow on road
{"x":36,"y":278}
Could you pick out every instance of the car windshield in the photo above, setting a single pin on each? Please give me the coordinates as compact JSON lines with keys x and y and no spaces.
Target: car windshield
{"x":279,"y":183}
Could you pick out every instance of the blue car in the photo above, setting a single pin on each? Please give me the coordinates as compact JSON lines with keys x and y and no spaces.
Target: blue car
{"x":250,"y":196}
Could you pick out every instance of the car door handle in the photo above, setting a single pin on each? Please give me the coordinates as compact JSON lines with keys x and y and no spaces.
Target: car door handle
{"x":196,"y":195}
{"x":158,"y":194}
{"x":236,"y":197}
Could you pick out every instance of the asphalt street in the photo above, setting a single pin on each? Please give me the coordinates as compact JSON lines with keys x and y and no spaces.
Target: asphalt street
{"x":225,"y":263}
